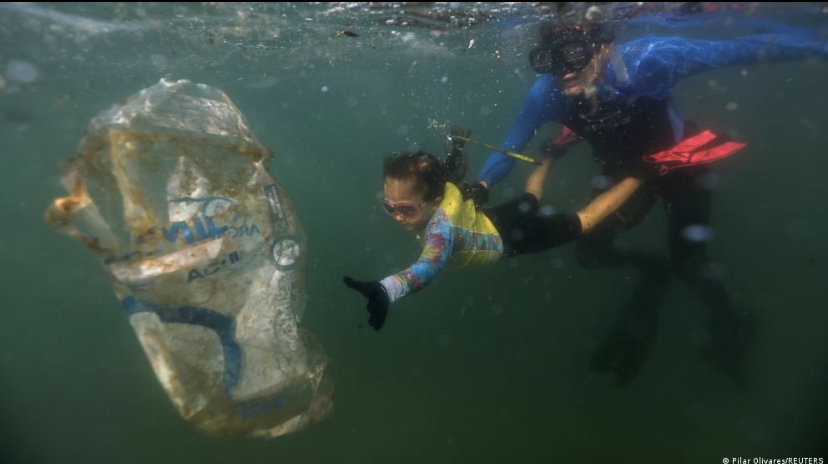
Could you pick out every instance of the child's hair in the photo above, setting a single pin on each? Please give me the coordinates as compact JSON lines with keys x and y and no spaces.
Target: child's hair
{"x":431,"y":175}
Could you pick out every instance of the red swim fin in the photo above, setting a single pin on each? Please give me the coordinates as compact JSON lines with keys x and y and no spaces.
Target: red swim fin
{"x":693,"y":151}
{"x":694,"y":142}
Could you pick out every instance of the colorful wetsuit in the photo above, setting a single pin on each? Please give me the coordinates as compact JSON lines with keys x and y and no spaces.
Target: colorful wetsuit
{"x":457,"y":234}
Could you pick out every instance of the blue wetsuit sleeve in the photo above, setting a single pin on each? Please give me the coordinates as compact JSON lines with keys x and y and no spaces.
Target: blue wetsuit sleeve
{"x":431,"y":261}
{"x":659,"y":63}
{"x":655,"y":65}
{"x":542,"y":104}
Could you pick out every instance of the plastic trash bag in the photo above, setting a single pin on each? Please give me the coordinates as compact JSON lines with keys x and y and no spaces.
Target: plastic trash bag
{"x":171,"y":190}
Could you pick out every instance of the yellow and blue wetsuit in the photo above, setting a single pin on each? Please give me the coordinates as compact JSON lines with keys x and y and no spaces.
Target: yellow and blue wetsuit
{"x":461,"y":235}
{"x":457,"y":234}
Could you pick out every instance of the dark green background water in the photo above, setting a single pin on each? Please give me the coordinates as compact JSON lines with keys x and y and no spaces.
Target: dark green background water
{"x":487,"y":365}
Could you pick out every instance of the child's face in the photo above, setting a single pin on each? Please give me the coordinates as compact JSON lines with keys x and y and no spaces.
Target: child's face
{"x":406,"y":205}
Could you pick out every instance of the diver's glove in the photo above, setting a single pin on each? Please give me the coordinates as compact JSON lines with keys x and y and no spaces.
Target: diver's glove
{"x":378,"y":301}
{"x":476,"y":192}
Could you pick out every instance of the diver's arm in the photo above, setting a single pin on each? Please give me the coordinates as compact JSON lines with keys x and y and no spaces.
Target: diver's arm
{"x":432,"y":260}
{"x":660,"y":63}
{"x":607,"y":203}
{"x":542,"y":104}
{"x":537,"y":178}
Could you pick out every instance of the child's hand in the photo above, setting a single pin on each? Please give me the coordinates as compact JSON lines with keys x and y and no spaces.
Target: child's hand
{"x":377,"y":300}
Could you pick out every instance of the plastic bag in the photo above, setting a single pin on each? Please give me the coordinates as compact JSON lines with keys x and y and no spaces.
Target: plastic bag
{"x":171,"y":190}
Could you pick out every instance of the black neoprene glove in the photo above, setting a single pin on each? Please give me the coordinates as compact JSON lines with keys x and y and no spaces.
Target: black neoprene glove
{"x":378,"y":301}
{"x":477,"y":192}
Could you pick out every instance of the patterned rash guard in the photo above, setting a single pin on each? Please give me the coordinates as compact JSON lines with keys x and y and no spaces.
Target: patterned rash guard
{"x":457,"y":234}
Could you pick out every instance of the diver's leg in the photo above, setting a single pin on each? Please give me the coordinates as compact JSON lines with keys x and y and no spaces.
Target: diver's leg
{"x":543,"y":231}
{"x":624,"y":349}
{"x":607,"y":203}
{"x":628,"y":343}
{"x":537,"y":178}
{"x":687,"y":204}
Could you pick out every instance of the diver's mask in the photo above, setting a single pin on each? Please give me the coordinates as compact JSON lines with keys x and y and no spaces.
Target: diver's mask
{"x":568,"y":48}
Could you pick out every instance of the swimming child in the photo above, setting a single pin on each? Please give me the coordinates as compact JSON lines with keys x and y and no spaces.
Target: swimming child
{"x":422,"y":195}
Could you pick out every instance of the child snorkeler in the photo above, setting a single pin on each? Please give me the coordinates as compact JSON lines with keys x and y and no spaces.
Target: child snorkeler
{"x":423,"y":195}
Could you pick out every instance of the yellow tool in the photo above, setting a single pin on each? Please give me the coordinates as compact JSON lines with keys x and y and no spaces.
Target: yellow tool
{"x":507,"y":153}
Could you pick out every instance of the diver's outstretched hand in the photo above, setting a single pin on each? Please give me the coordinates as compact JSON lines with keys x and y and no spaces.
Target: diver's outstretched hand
{"x":378,"y":301}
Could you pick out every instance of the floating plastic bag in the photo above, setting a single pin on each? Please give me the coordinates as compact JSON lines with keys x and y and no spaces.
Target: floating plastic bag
{"x":171,"y":190}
